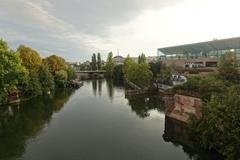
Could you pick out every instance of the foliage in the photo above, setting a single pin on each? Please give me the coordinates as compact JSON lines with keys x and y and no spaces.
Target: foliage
{"x":30,"y":58}
{"x":61,"y":78}
{"x":94,"y":62}
{"x":220,"y":127}
{"x":142,"y":59}
{"x":166,"y":74}
{"x":139,"y":74}
{"x":205,"y":86}
{"x":127,"y":63}
{"x":46,"y":79}
{"x":86,"y":66}
{"x":109,"y":66}
{"x":99,"y":61}
{"x":55,"y":63}
{"x":155,"y":68}
{"x":71,"y":73}
{"x":12,"y":73}
{"x":228,"y":68}
{"x":33,"y":86}
{"x":118,"y":72}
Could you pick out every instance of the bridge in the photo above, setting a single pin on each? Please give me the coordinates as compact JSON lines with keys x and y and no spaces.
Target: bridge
{"x":91,"y":71}
{"x":91,"y":74}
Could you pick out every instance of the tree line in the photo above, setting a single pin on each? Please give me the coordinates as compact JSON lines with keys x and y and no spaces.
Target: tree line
{"x":25,"y":71}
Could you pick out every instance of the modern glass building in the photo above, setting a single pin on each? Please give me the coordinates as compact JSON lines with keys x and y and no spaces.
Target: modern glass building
{"x":215,"y":48}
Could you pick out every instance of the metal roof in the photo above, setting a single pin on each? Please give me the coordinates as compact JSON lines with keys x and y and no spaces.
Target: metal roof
{"x":223,"y":44}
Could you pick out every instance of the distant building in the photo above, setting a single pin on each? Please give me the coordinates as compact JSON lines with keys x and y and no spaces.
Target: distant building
{"x":75,"y":65}
{"x":118,"y":60}
{"x":199,"y":55}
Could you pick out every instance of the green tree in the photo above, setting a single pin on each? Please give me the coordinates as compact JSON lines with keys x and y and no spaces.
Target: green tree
{"x":139,"y":74}
{"x":33,"y":86}
{"x":127,"y":63}
{"x":71,"y":73}
{"x":228,"y":67}
{"x":46,"y":79}
{"x":99,"y":61}
{"x":12,"y":73}
{"x":109,"y":66}
{"x":30,"y":58}
{"x":55,"y":63}
{"x":219,"y":129}
{"x":142,"y":58}
{"x":94,"y":62}
{"x":61,"y":78}
{"x":118,"y":72}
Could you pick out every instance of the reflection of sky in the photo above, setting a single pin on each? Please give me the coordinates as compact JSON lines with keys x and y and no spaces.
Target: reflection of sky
{"x":155,"y":114}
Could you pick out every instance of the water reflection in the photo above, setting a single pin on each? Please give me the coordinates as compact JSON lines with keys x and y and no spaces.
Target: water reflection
{"x":178,"y":134}
{"x":110,"y":89}
{"x":100,"y":81}
{"x":20,"y":123}
{"x":141,"y":105}
{"x":94,"y":87}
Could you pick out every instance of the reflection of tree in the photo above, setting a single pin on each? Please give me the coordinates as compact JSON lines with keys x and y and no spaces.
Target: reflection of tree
{"x":100,"y":87}
{"x":94,"y":87}
{"x":18,"y":124}
{"x":110,"y":89}
{"x":178,"y":134}
{"x":142,"y":104}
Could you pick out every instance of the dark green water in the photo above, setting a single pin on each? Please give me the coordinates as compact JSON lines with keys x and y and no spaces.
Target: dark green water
{"x":95,"y":122}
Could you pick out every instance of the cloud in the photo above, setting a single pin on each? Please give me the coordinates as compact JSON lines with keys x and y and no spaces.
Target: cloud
{"x":74,"y":29}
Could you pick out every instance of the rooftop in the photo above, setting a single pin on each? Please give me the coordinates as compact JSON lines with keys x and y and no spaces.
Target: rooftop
{"x":208,"y":46}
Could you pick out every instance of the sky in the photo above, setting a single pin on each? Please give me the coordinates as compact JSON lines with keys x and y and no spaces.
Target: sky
{"x":74,"y":29}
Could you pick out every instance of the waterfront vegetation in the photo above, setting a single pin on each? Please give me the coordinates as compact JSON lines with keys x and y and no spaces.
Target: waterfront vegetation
{"x":219,"y":128}
{"x":24,"y":73}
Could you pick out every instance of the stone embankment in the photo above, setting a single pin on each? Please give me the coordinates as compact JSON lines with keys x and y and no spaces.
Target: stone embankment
{"x":181,"y":107}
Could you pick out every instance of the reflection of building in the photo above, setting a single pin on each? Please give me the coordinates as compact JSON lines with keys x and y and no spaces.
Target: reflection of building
{"x":197,"y":55}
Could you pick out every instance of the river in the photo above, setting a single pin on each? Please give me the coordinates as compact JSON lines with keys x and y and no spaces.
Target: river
{"x":95,"y":122}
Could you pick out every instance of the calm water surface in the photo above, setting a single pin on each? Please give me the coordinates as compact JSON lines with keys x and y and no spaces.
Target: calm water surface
{"x":96,"y":122}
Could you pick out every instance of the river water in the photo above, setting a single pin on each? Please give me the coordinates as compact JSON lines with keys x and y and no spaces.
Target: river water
{"x":95,"y":122}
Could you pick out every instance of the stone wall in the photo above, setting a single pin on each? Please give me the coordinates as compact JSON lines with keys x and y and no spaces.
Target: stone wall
{"x":180,"y":107}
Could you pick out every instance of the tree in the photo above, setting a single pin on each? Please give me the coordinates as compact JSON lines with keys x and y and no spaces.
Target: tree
{"x":46,"y":79}
{"x":127,"y":63}
{"x":12,"y":73}
{"x":219,"y":128}
{"x":55,"y":63}
{"x":99,"y":61}
{"x":142,"y":58}
{"x":118,"y":72}
{"x":109,"y":66}
{"x":155,"y":68}
{"x":61,"y":78}
{"x":228,"y":68}
{"x":139,"y":74}
{"x":94,"y":62}
{"x":71,"y":73}
{"x":33,"y":86}
{"x":30,"y":58}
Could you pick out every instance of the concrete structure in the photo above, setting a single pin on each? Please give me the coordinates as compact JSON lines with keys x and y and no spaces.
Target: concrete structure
{"x":83,"y":75}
